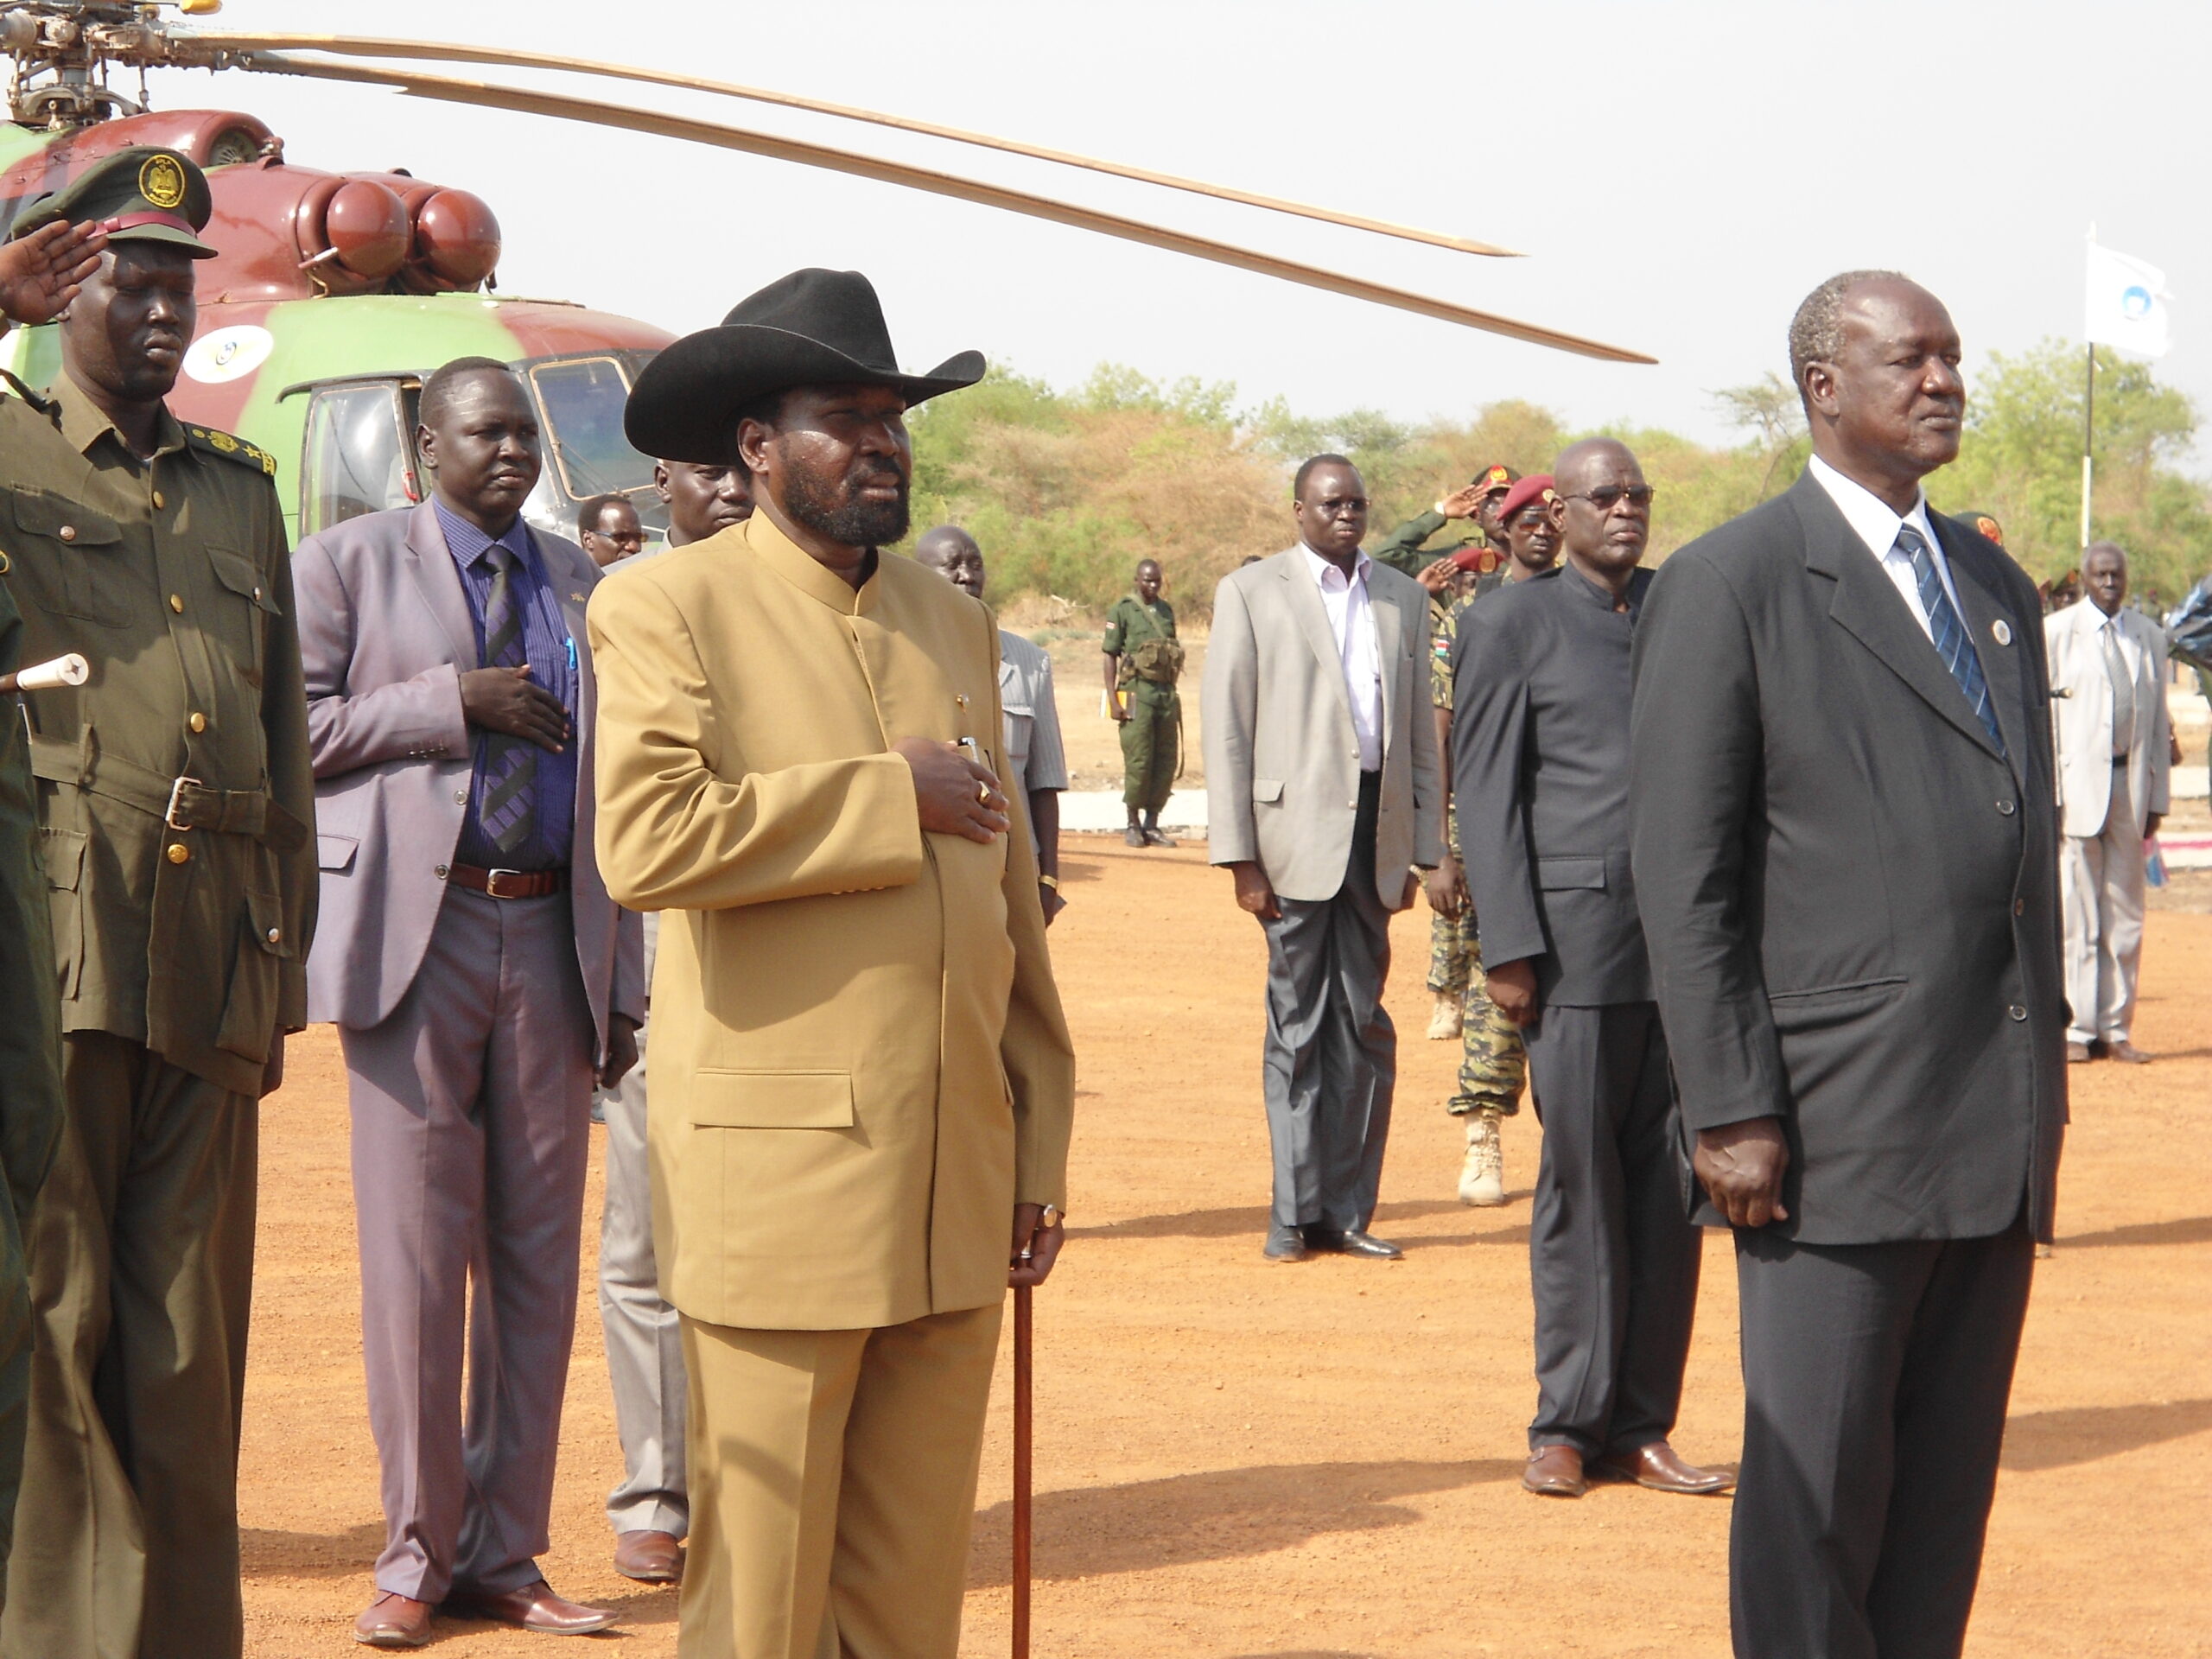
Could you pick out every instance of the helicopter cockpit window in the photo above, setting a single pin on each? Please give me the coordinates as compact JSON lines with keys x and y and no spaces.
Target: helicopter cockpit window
{"x":359,"y":458}
{"x":582,"y":399}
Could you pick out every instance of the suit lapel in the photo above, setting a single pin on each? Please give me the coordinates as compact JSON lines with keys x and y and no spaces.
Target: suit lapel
{"x":1868,"y":607}
{"x":1313,"y":622}
{"x":1982,"y":608}
{"x":430,"y":564}
{"x":1390,"y":628}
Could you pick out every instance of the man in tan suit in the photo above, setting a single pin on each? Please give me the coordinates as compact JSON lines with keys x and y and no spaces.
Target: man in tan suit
{"x":862,"y":1083}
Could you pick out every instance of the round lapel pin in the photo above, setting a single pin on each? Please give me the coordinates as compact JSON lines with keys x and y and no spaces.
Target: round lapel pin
{"x":2002,"y":630}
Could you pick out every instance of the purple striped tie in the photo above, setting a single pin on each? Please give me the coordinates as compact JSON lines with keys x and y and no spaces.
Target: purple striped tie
{"x":510,"y":802}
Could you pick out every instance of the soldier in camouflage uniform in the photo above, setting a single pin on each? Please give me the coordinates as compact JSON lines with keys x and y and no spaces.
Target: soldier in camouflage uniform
{"x":1143,"y":661}
{"x":176,"y":807}
{"x":1492,"y":1063}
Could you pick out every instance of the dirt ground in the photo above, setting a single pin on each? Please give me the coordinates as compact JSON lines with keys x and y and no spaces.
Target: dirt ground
{"x":1240,"y":1460}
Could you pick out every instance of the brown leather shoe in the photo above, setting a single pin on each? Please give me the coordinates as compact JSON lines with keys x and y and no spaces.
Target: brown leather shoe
{"x":2124,"y":1050}
{"x":1554,"y":1472}
{"x":2078,"y":1053}
{"x":650,"y":1557}
{"x":1657,"y":1466}
{"x":534,"y":1607}
{"x":393,"y":1621}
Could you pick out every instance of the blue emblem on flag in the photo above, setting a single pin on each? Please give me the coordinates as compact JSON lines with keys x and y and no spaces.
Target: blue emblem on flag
{"x":2136,"y":302}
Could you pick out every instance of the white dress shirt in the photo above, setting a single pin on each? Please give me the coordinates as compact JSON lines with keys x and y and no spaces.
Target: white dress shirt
{"x":1877,"y":526}
{"x":1352,"y":618}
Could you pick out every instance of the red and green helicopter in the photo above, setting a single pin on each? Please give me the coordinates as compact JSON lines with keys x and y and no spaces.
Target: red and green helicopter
{"x":335,"y":292}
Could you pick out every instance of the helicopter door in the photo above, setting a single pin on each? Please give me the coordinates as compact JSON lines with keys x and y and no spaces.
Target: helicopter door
{"x":582,"y":398}
{"x":360,"y":456}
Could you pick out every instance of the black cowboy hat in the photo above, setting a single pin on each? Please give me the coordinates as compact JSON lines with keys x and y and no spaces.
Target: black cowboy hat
{"x":812,"y":328}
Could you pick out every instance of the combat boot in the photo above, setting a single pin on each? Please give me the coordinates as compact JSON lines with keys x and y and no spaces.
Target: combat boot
{"x":1444,"y":1019}
{"x":1482,"y":1177}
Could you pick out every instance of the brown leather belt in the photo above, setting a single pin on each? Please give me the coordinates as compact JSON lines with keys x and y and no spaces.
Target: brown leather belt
{"x":507,"y":884}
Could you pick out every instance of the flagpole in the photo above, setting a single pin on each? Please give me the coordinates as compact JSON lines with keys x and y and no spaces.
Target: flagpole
{"x":2089,"y":435}
{"x":2088,"y":421}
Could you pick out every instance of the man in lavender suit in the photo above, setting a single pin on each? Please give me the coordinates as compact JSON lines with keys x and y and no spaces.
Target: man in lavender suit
{"x":481,"y":980}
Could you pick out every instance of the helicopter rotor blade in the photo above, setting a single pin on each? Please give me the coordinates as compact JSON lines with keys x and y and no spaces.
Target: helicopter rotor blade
{"x":442,"y":89}
{"x":359,"y":46}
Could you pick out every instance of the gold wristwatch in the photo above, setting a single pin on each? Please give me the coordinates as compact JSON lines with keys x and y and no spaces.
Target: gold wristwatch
{"x":1051,"y":882}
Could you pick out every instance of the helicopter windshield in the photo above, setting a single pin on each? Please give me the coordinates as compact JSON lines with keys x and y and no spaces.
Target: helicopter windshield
{"x":359,"y":460}
{"x":582,"y":399}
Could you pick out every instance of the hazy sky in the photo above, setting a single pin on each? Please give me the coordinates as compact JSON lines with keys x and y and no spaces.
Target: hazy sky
{"x":1680,"y":174}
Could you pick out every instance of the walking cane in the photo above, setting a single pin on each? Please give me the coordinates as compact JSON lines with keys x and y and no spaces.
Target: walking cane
{"x":1022,"y":1328}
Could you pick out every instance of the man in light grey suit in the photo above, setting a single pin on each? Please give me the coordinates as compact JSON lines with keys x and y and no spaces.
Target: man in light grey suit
{"x":1322,"y":798}
{"x":1841,"y":809}
{"x":481,"y":978}
{"x":2108,"y":719}
{"x":651,"y":1509}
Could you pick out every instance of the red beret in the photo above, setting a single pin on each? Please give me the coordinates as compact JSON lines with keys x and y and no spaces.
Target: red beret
{"x":1536,"y":486}
{"x":1481,"y":560}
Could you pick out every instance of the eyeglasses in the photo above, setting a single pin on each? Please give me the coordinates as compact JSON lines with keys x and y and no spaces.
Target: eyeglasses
{"x":1338,"y":507}
{"x":1606,"y":496}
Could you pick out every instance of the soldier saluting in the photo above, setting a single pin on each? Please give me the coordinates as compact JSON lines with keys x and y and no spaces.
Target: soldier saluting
{"x":175,"y":805}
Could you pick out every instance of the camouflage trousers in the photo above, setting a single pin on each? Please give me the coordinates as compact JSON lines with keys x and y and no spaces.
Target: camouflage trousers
{"x":1492,"y":1063}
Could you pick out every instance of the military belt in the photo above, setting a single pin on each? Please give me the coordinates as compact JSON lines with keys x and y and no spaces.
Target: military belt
{"x":181,"y":803}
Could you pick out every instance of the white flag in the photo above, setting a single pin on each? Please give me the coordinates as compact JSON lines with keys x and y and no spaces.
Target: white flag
{"x":2126,"y":303}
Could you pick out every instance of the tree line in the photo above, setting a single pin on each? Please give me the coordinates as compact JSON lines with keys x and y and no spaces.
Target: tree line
{"x":1067,"y":489}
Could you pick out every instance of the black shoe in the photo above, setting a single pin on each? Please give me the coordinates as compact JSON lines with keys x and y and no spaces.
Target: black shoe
{"x":1352,"y":1241}
{"x":1135,"y":837}
{"x":1285,"y":1244}
{"x":1152,"y":835}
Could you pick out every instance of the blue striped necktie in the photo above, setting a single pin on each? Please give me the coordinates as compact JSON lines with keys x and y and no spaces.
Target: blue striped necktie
{"x":1952,"y":644}
{"x":509,"y":808}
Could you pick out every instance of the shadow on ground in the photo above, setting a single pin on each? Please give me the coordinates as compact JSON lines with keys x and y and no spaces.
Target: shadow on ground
{"x":265,"y":1554}
{"x":2195,"y":1229}
{"x":1252,"y":1222}
{"x":2072,"y":1434}
{"x":1220,"y":1515}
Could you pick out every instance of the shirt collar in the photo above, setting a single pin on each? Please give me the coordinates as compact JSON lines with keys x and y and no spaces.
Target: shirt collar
{"x":1323,"y":570}
{"x":83,"y":423}
{"x":1870,"y":517}
{"x":468,"y":544}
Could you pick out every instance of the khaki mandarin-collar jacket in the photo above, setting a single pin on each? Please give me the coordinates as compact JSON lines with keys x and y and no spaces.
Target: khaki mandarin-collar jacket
{"x":859,"y":1060}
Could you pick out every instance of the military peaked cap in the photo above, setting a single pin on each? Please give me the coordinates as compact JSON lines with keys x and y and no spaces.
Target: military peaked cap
{"x":139,"y":194}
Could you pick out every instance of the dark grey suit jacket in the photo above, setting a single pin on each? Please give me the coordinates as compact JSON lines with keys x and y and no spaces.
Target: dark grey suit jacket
{"x":1540,"y":759}
{"x":1851,"y":902}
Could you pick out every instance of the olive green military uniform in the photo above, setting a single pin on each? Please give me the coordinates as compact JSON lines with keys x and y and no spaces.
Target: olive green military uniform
{"x":1492,"y":1063}
{"x":1142,"y":636}
{"x":30,"y":1061}
{"x":1406,"y":549}
{"x":175,"y":803}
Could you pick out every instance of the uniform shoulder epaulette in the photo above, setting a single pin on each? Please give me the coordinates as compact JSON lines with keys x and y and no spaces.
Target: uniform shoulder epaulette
{"x":232,"y":449}
{"x":37,"y":401}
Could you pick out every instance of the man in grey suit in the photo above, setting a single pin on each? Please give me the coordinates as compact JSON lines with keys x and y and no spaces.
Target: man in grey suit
{"x":1540,"y":739}
{"x":651,"y":1508}
{"x":480,"y":977}
{"x":1845,"y":856}
{"x":1322,"y":797}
